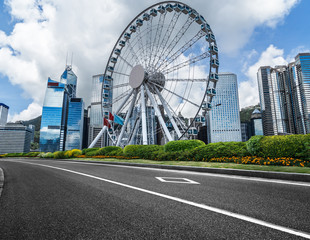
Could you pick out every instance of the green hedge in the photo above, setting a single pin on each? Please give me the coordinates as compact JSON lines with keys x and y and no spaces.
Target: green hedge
{"x":295,"y":146}
{"x":221,"y":149}
{"x":254,"y":146}
{"x":110,"y":151}
{"x":182,"y":145}
{"x":143,"y":151}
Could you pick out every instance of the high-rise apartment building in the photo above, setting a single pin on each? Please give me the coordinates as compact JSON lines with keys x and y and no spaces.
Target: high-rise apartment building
{"x":4,"y":109}
{"x":285,"y":97}
{"x":75,"y":123}
{"x":53,"y":122}
{"x":225,"y":116}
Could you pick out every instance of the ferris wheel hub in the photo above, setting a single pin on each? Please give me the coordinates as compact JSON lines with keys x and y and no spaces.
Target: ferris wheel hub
{"x":136,"y":76}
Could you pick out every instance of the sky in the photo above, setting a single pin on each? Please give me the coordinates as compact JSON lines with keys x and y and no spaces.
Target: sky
{"x":37,"y":35}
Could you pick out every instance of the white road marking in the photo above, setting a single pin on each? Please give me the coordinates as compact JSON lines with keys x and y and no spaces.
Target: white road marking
{"x":255,"y":179}
{"x":176,"y":180}
{"x":199,"y":205}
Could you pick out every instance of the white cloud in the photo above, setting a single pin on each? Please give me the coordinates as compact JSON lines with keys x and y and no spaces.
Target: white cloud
{"x":33,"y":110}
{"x":248,"y":90}
{"x":48,"y":29}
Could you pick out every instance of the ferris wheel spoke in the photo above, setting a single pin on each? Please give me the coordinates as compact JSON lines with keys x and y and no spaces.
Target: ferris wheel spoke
{"x":120,"y":85}
{"x":124,"y":60}
{"x":176,"y":39}
{"x":133,"y":53}
{"x":186,"y":80}
{"x":172,"y":57}
{"x":143,"y":116}
{"x":127,"y":95}
{"x":124,"y":74}
{"x":120,"y":137}
{"x":168,"y":33}
{"x":158,"y":113}
{"x":162,"y":100}
{"x":159,"y":30}
{"x":141,"y":47}
{"x":187,"y":63}
{"x":149,"y":42}
{"x":183,"y":98}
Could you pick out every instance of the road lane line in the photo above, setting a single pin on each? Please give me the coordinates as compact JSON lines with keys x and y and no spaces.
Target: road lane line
{"x":255,"y":179}
{"x":199,"y":205}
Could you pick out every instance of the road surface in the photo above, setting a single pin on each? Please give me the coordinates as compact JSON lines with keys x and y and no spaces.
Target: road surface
{"x":50,"y":199}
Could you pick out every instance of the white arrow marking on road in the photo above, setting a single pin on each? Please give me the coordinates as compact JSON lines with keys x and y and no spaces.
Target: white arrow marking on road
{"x":176,"y":180}
{"x":199,"y":205}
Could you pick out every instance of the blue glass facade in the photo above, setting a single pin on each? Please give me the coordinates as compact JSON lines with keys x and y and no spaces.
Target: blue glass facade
{"x":225,"y":116}
{"x":285,"y":97}
{"x":302,"y":62}
{"x":53,"y":117}
{"x":74,"y":137}
{"x":70,"y":80}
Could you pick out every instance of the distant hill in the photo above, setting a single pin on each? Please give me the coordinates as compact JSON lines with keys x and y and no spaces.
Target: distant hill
{"x":245,"y":113}
{"x":36,"y":122}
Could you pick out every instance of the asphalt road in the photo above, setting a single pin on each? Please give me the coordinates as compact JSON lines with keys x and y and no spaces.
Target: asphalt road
{"x":49,"y":199}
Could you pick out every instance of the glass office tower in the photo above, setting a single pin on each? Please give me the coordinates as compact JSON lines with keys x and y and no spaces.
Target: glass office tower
{"x":285,"y":97}
{"x":74,"y":137}
{"x":53,"y":123}
{"x":4,"y":109}
{"x":70,"y":80}
{"x":302,"y":63}
{"x":225,"y":116}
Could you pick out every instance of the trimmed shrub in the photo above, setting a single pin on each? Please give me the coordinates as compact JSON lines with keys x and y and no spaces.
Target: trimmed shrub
{"x":182,"y":145}
{"x":294,"y":146}
{"x":131,"y":150}
{"x":59,"y":155}
{"x":143,"y":151}
{"x":110,"y":151}
{"x":86,"y":150}
{"x":13,"y":154}
{"x":48,"y":155}
{"x":89,"y":151}
{"x":254,"y":145}
{"x":76,"y":152}
{"x":216,"y":150}
{"x":32,"y":154}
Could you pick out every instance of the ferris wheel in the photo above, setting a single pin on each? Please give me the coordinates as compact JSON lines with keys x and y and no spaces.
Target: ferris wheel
{"x":161,"y":74}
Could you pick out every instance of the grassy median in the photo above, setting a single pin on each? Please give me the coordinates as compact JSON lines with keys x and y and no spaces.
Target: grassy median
{"x":205,"y":164}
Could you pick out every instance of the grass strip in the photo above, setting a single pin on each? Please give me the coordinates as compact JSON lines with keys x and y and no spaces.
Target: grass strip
{"x":289,"y":169}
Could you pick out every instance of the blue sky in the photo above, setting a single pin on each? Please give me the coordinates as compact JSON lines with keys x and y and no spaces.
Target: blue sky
{"x":35,"y":37}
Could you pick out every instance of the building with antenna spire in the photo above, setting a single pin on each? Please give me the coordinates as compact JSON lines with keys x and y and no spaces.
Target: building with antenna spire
{"x":62,"y":115}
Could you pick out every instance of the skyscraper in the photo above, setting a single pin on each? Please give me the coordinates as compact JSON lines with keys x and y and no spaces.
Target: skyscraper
{"x":4,"y":109}
{"x":302,"y":63}
{"x":75,"y":123}
{"x":225,"y":116}
{"x":69,"y":79}
{"x":53,"y":123}
{"x":285,"y":97}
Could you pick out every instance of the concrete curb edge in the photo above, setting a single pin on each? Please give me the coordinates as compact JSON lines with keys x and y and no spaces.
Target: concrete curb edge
{"x":1,"y":180}
{"x":300,"y":177}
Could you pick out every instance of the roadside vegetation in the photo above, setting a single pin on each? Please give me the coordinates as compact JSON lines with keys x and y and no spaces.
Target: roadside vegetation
{"x":289,"y":151}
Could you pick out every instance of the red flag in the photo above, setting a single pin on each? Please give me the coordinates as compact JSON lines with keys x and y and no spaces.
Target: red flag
{"x":106,"y":123}
{"x":111,"y":117}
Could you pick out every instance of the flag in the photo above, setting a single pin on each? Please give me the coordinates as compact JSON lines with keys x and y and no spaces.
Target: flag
{"x":118,"y":119}
{"x":111,"y":117}
{"x":106,"y":123}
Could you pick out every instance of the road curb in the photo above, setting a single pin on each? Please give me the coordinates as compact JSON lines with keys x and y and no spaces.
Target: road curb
{"x":1,"y":180}
{"x":300,"y":177}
